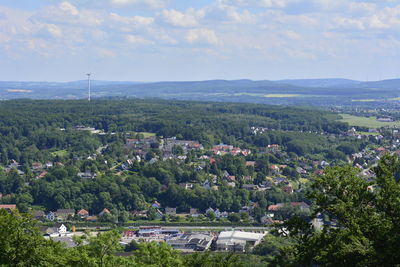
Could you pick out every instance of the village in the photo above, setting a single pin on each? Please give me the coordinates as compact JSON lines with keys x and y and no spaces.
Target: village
{"x":289,"y":179}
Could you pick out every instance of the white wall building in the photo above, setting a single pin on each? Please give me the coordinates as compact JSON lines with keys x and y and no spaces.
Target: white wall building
{"x":238,"y":240}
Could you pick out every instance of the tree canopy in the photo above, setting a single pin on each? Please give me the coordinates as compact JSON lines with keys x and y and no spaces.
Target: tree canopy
{"x":365,"y":216}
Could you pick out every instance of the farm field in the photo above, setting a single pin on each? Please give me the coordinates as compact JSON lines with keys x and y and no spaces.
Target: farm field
{"x":370,"y":122}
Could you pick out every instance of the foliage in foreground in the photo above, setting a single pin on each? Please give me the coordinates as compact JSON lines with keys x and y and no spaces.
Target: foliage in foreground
{"x":366,"y":216}
{"x":21,"y":244}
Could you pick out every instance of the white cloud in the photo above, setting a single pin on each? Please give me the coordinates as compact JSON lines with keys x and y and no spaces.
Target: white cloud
{"x":189,"y":18}
{"x":292,"y":35}
{"x":103,"y":52}
{"x":134,"y":39}
{"x":349,"y":23}
{"x":69,"y":8}
{"x":256,"y":3}
{"x":387,"y":19}
{"x":68,"y":14}
{"x":202,"y":35}
{"x":54,"y":30}
{"x":139,"y":3}
{"x":135,"y":20}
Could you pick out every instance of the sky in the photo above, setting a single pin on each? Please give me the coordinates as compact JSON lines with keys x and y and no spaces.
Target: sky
{"x":175,"y":40}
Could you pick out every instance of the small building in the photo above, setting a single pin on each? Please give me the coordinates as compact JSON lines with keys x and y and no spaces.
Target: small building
{"x":156,"y":205}
{"x":42,"y":175}
{"x":9,"y":207}
{"x":250,"y":163}
{"x":104,"y":211}
{"x":288,"y":189}
{"x":186,"y":186}
{"x":39,"y":215}
{"x":148,"y":231}
{"x":63,"y":214}
{"x":170,"y":211}
{"x":48,"y":164}
{"x":87,"y":175}
{"x":83,"y":213}
{"x":36,"y":166}
{"x":50,"y":216}
{"x":194,"y":212}
{"x":91,"y":218}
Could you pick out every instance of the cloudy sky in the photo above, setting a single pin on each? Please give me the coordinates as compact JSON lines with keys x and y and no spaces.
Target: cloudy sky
{"x":154,"y":40}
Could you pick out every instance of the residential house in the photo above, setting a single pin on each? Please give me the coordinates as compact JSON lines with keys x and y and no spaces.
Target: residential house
{"x":83,"y":213}
{"x":50,"y":216}
{"x":210,"y":210}
{"x":186,"y":186}
{"x":9,"y":207}
{"x":48,"y":164}
{"x":300,"y":170}
{"x":37,"y":166}
{"x":217,"y":213}
{"x":156,"y":205}
{"x":288,"y":189}
{"x":87,"y":175}
{"x":42,"y":175}
{"x":194,"y":212}
{"x":104,"y":211}
{"x":91,"y":218}
{"x":39,"y":215}
{"x":279,"y":180}
{"x":231,"y":184}
{"x":206,"y":185}
{"x":275,"y":207}
{"x":63,"y":214}
{"x":250,"y":164}
{"x":170,"y":211}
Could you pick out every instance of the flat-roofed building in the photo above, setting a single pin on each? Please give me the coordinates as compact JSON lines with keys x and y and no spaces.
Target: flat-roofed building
{"x":238,"y":240}
{"x":191,"y":242}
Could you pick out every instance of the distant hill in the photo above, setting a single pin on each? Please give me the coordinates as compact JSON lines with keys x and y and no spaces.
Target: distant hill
{"x":333,"y":82}
{"x":321,"y":92}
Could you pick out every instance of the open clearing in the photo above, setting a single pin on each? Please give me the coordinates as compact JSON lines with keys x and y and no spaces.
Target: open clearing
{"x":145,"y":134}
{"x":369,"y":122}
{"x":60,"y":153}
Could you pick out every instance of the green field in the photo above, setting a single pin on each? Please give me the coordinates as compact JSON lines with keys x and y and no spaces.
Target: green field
{"x":145,"y":134}
{"x":369,"y":122}
{"x":60,"y":153}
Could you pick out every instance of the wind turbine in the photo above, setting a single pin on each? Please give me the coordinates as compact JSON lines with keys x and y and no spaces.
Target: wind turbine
{"x":88,"y":85}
